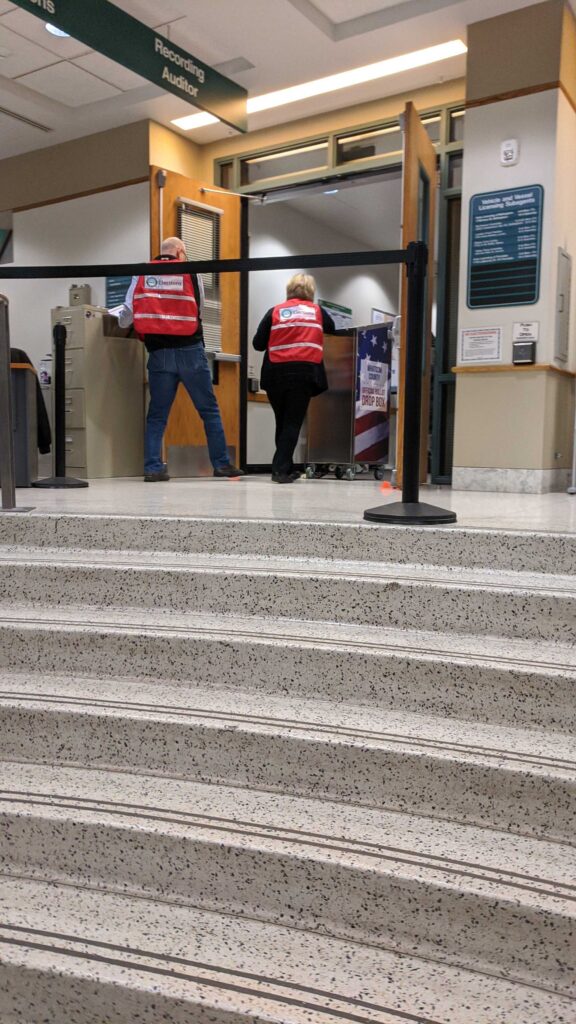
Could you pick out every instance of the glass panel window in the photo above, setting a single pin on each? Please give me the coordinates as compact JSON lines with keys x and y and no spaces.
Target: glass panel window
{"x":457,"y":121}
{"x":289,"y":161}
{"x":364,"y":145}
{"x":455,"y":165}
{"x":226,"y":175}
{"x":433,"y":125}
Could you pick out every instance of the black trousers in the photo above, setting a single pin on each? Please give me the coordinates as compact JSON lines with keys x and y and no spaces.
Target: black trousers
{"x":290,"y":403}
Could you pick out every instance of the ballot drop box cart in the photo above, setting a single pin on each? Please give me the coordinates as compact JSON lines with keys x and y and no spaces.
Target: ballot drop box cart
{"x":349,"y":425}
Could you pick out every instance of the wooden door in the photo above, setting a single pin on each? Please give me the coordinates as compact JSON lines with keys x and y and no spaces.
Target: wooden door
{"x":418,"y":225}
{"x":185,"y":428}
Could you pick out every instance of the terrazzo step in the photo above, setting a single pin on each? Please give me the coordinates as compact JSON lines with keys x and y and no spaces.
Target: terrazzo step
{"x":529,"y":605}
{"x":465,"y":896}
{"x":506,"y":682}
{"x":448,"y":546}
{"x":508,"y":779}
{"x":87,"y":957}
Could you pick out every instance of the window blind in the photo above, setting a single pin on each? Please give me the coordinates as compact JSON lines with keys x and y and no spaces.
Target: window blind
{"x":199,"y":229}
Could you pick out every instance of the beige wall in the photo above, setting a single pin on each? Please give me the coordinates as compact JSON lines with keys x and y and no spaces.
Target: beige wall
{"x":173,"y":152}
{"x":515,"y":51}
{"x":104,"y":160}
{"x":514,"y":420}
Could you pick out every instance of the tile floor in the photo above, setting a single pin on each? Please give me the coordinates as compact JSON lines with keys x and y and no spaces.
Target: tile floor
{"x":328,"y":500}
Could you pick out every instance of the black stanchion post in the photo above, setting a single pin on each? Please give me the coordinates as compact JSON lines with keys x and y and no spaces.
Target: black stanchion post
{"x":60,"y":480}
{"x":7,"y":474}
{"x":411,"y":511}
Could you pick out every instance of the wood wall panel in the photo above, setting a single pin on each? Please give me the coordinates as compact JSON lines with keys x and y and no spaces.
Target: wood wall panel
{"x":184,"y":425}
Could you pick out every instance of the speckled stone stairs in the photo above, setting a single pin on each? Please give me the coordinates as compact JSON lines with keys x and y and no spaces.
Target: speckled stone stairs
{"x":285,"y":771}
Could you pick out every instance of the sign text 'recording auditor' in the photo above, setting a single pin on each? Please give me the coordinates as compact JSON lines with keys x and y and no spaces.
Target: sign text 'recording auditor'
{"x":125,"y":40}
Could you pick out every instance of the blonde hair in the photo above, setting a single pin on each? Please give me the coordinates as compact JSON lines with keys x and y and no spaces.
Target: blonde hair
{"x":301,"y":286}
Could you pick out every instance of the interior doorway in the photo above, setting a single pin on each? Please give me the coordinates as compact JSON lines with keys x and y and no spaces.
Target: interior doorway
{"x":360,"y":212}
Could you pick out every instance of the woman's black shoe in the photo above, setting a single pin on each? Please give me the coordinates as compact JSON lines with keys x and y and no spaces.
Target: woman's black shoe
{"x":282,"y":478}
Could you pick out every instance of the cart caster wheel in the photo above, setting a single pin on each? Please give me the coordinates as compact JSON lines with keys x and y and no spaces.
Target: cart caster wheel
{"x":338,"y":472}
{"x":310,"y":472}
{"x":350,"y":474}
{"x":379,"y":474}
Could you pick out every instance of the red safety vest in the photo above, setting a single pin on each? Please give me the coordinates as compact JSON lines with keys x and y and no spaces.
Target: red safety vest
{"x":165,"y":304}
{"x":297,"y":334}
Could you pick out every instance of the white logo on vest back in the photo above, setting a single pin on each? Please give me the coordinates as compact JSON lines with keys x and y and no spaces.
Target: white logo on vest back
{"x":298,"y":313}
{"x":165,"y":284}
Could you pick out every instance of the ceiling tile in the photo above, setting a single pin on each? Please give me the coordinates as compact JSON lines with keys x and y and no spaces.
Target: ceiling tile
{"x":111,"y":72}
{"x":22,"y":56}
{"x":5,"y":6}
{"x":69,"y":85}
{"x":32,"y":28}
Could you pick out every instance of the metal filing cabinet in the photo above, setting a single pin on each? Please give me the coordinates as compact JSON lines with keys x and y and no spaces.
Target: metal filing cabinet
{"x":104,"y":395}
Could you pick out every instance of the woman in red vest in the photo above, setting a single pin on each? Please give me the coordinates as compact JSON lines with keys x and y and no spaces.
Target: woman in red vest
{"x":292,"y":336}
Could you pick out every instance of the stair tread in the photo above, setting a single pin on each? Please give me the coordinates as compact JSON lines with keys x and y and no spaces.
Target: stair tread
{"x":404,"y":573}
{"x":494,"y":864}
{"x":503,"y":652}
{"x":276,"y":973}
{"x":520,"y":749}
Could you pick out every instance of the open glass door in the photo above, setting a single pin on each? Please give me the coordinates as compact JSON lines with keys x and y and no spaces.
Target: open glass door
{"x":418,"y":224}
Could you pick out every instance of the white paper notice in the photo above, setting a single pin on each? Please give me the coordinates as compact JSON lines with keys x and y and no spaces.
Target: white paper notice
{"x":481,"y":345}
{"x":526,"y":330}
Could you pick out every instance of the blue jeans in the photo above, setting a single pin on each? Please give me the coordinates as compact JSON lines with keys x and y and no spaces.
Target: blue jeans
{"x":167,"y":368}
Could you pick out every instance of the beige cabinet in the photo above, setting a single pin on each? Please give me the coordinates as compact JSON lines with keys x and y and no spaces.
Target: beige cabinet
{"x":104,"y":395}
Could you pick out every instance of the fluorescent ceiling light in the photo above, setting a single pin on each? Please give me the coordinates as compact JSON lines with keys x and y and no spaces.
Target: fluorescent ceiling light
{"x":54,"y":31}
{"x":331,"y":191}
{"x":343,"y":80}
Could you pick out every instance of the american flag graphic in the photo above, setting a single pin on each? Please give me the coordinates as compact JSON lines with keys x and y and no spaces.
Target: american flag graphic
{"x":371,"y":428}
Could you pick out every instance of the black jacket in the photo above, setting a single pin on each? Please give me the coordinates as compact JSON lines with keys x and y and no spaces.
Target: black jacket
{"x":18,"y":355}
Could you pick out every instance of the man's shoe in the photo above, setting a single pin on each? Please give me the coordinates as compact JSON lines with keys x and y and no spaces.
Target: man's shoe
{"x":282,"y":478}
{"x":156,"y":478}
{"x":295,"y":474}
{"x":229,"y":471}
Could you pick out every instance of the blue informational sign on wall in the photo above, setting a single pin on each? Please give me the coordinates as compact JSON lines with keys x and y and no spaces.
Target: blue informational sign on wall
{"x":505,"y":247}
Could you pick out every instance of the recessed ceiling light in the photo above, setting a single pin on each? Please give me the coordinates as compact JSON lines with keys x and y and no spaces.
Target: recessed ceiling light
{"x":54,"y":31}
{"x":343,"y":80}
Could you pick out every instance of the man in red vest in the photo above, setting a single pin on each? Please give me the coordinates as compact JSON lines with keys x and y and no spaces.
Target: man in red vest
{"x":167,"y":313}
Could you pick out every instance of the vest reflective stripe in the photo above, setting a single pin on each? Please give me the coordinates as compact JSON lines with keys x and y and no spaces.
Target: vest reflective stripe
{"x":296,"y":334}
{"x":167,"y":316}
{"x":297,"y":344}
{"x":165,"y":305}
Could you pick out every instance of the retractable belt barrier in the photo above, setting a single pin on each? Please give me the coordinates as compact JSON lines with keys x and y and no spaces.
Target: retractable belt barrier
{"x":409,"y":511}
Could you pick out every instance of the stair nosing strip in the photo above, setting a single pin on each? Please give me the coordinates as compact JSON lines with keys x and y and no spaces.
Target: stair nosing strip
{"x":206,"y":981}
{"x":298,"y":725}
{"x":311,"y":573}
{"x":370,"y":647}
{"x":252,"y":830}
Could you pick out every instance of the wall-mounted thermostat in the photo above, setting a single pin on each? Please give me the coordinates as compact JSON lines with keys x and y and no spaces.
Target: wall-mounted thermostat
{"x":509,"y":152}
{"x":523,"y":352}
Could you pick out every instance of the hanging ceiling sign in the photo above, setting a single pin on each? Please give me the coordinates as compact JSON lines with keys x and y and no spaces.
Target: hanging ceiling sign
{"x":104,"y":27}
{"x":505,"y":246}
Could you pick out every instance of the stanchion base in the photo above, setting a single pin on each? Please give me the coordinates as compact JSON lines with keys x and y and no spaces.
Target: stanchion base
{"x":404,"y":513}
{"x":60,"y":482}
{"x":9,"y":511}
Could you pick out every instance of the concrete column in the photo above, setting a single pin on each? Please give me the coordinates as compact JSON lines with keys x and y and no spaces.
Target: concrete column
{"x":513,"y":428}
